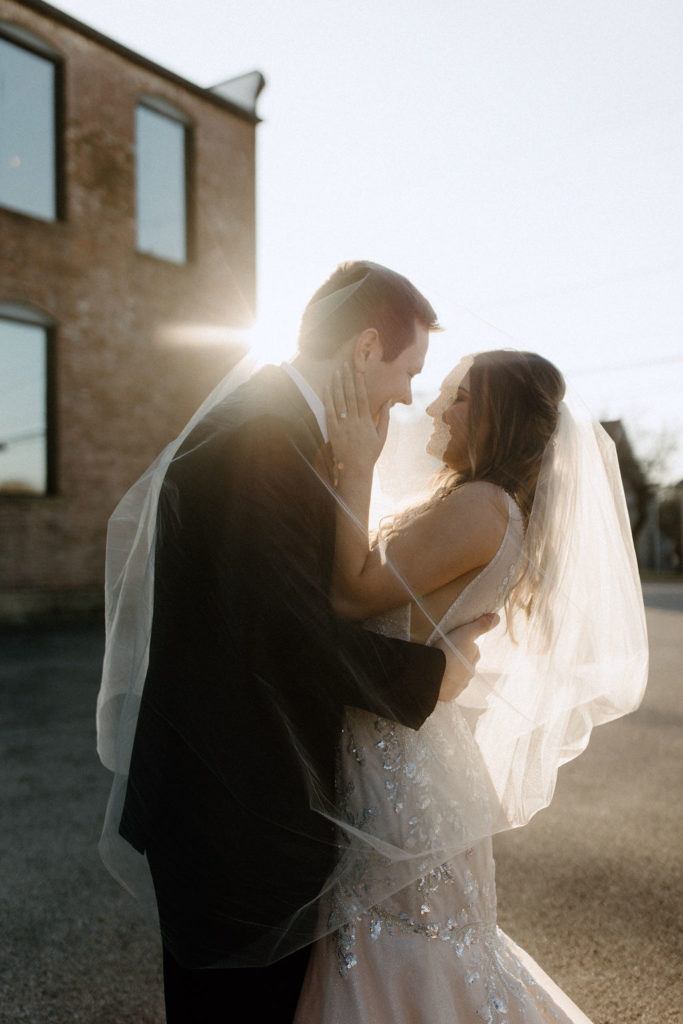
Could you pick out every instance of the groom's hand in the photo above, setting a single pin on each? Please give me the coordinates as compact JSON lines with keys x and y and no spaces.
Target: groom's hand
{"x":462,"y":654}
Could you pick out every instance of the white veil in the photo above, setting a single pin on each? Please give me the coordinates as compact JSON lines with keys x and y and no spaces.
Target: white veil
{"x":129,"y":606}
{"x":574,"y":657}
{"x":546,"y":677}
{"x":579,"y":655}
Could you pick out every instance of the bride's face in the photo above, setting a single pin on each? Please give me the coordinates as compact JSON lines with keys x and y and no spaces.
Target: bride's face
{"x":450,"y":412}
{"x":456,"y":417}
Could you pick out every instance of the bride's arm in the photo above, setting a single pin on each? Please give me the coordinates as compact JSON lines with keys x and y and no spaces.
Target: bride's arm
{"x":456,"y":535}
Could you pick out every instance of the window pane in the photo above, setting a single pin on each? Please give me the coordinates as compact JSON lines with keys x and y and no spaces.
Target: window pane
{"x":23,"y":420}
{"x":27,"y":131}
{"x":160,"y":145}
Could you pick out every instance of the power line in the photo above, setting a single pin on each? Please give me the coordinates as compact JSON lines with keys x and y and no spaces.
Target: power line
{"x":636,"y":364}
{"x":26,"y":435}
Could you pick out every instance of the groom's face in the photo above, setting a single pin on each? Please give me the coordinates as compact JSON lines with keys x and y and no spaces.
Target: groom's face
{"x":392,"y":381}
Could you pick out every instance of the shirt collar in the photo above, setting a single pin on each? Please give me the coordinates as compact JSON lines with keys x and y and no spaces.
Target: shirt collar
{"x":312,"y":400}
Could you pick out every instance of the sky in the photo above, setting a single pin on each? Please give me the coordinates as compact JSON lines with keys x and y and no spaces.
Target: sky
{"x":521,"y":162}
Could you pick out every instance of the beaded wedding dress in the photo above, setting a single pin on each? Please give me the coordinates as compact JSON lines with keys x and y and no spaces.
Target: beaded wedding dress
{"x":431,"y":953}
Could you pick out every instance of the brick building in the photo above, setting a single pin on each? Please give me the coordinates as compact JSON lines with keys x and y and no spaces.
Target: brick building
{"x":127,"y":279}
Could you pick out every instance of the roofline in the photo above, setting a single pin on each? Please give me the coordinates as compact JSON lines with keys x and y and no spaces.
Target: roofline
{"x":40,"y":7}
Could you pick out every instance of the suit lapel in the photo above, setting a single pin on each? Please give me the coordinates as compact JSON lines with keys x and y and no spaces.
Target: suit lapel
{"x":291,"y":404}
{"x":288,"y":401}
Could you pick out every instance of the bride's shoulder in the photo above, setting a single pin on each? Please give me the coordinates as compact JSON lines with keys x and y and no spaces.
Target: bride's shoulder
{"x":477,"y":513}
{"x":481,"y":497}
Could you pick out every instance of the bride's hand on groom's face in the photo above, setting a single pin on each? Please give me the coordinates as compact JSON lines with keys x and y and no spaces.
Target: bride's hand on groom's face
{"x":462,"y":654}
{"x":356,"y":438}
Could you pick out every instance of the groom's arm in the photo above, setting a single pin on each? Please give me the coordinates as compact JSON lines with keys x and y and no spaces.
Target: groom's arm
{"x":286,"y":524}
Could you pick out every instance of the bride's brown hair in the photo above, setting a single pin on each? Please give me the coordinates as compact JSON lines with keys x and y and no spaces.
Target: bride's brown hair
{"x":513,"y":412}
{"x":514,"y":400}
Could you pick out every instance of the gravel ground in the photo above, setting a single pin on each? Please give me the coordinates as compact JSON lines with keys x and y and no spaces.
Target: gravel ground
{"x":591,"y":888}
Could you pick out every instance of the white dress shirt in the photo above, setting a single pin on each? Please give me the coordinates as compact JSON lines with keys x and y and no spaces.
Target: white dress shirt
{"x":312,"y":400}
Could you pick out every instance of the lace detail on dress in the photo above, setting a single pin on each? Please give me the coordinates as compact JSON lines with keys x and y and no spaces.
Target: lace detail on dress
{"x":385,"y":782}
{"x":395,"y":622}
{"x":420,"y":808}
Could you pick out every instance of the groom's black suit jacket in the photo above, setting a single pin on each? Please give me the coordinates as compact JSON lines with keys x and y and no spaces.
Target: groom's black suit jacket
{"x":249,"y":672}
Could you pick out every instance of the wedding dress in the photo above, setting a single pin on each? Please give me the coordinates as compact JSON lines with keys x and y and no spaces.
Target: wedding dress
{"x":431,"y":952}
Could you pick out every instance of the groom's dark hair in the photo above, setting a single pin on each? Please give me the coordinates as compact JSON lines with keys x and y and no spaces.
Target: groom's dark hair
{"x":381,"y":299}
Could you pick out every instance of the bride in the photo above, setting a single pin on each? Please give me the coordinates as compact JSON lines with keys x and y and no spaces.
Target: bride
{"x":527,"y":519}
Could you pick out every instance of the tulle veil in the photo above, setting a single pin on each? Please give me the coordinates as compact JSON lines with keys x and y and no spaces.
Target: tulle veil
{"x":545,"y":678}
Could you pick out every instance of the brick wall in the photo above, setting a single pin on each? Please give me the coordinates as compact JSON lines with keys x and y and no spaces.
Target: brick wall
{"x":130,"y":366}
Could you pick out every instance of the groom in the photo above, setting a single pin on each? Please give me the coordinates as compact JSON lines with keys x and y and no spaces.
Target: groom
{"x":250,"y":670}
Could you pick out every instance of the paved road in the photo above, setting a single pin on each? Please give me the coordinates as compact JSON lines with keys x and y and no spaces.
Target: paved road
{"x":73,"y":946}
{"x":592,"y":887}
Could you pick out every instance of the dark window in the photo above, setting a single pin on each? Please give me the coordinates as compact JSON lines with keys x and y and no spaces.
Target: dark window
{"x":161,"y":184}
{"x":27,"y":131}
{"x":24,"y":442}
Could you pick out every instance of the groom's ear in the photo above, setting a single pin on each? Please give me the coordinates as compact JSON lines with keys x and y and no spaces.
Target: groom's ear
{"x":367,"y":349}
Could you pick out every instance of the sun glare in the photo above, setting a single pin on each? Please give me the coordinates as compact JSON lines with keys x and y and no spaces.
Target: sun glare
{"x":272,"y":339}
{"x":187,"y":335}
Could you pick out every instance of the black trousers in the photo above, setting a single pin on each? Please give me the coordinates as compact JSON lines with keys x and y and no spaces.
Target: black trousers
{"x":241,"y":993}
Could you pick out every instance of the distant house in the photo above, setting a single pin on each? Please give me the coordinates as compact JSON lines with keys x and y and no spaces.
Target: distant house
{"x":654,"y":549}
{"x":668,"y":554}
{"x":127,"y":279}
{"x":637,"y":489}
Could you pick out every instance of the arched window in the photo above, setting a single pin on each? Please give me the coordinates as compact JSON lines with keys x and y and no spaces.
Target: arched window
{"x":29,"y":137}
{"x":162,"y":179}
{"x":26,"y":401}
